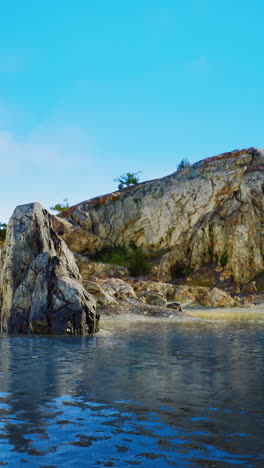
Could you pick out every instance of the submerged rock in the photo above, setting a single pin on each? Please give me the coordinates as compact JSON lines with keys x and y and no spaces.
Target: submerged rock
{"x":41,"y":290}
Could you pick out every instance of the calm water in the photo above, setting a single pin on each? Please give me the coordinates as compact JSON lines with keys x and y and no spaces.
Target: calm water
{"x":158,"y":394}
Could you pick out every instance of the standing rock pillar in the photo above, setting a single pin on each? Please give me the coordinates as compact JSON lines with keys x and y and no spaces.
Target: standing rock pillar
{"x":40,"y":288}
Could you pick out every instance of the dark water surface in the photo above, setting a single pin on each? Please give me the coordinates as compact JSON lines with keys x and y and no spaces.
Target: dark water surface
{"x":139,"y":394}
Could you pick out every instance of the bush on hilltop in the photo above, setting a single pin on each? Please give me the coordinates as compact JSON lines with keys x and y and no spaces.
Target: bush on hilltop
{"x":183,"y":164}
{"x":128,"y":179}
{"x":61,"y":207}
{"x":3,"y":227}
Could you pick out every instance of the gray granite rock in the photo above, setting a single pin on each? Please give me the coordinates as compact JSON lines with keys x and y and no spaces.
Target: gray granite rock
{"x":41,"y":288}
{"x":90,"y":268}
{"x":77,"y":239}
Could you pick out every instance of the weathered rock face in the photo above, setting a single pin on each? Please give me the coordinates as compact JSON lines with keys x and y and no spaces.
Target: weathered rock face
{"x":217,"y":298}
{"x":102,"y":297}
{"x":40,"y":289}
{"x":170,"y":292}
{"x":210,"y":212}
{"x":155,"y":298}
{"x":89,"y":268}
{"x":117,"y":288}
{"x":167,"y":290}
{"x":77,"y":239}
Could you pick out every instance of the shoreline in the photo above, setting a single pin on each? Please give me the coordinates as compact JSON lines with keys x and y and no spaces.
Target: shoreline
{"x":192,"y":314}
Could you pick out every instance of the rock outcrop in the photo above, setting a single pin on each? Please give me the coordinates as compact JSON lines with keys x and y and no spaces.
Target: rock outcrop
{"x":41,"y":289}
{"x":77,"y":239}
{"x":89,"y":268}
{"x":211,"y":211}
{"x":109,"y":291}
{"x":217,"y":298}
{"x":181,"y":293}
{"x":169,"y":293}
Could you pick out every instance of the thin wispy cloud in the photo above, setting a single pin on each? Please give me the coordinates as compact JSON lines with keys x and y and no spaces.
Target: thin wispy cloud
{"x":64,"y":148}
{"x":45,"y":166}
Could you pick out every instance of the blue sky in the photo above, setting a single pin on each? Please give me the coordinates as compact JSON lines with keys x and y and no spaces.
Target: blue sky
{"x":90,"y":90}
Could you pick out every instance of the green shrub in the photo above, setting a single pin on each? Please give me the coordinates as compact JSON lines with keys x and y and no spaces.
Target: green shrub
{"x":113,"y":255}
{"x":180,"y":270}
{"x":224,"y":259}
{"x":133,"y":258}
{"x":183,"y":164}
{"x":138,"y":263}
{"x":3,"y":227}
{"x":61,"y":207}
{"x":188,"y":271}
{"x":130,"y":178}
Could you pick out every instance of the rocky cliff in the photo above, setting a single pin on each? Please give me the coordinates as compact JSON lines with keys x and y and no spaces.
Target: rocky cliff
{"x":209,"y":213}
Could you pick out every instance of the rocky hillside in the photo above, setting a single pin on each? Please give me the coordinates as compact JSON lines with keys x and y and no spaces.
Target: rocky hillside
{"x":209,"y":213}
{"x":205,"y":220}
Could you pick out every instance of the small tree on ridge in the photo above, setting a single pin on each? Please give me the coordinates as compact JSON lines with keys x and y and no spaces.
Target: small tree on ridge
{"x":3,"y":227}
{"x":130,"y":178}
{"x":183,"y":164}
{"x":60,"y":207}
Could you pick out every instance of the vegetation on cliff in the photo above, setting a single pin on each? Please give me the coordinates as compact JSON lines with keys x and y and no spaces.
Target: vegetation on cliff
{"x":3,"y":227}
{"x":133,"y":258}
{"x":183,"y":164}
{"x":128,"y":179}
{"x":61,"y":207}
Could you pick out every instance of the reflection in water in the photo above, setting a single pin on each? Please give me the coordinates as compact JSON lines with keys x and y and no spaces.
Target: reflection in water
{"x":148,"y":394}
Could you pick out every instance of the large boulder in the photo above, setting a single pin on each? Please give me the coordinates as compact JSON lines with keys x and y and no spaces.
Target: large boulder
{"x":217,"y":298}
{"x":181,"y":293}
{"x":155,"y":298}
{"x":90,"y":268}
{"x":77,"y":239}
{"x":167,"y":290}
{"x":185,"y":293}
{"x":41,"y":289}
{"x":117,"y":288}
{"x":102,"y":296}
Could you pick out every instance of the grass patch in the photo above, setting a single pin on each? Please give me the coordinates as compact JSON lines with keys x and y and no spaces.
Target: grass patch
{"x":112,"y":255}
{"x":133,"y":258}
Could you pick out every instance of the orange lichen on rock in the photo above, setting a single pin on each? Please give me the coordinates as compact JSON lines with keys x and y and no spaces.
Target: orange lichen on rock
{"x":93,"y":202}
{"x":100,"y":201}
{"x":224,"y":191}
{"x":230,"y":154}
